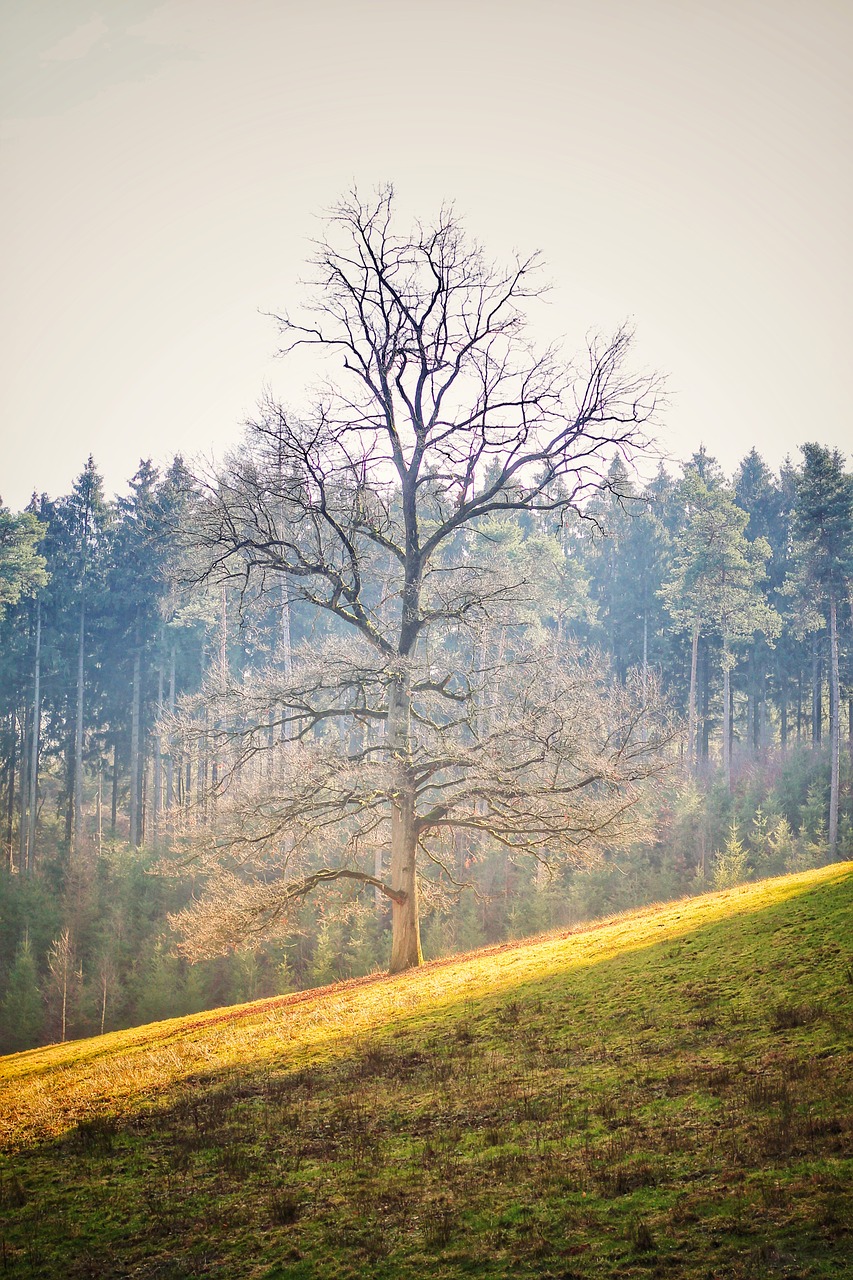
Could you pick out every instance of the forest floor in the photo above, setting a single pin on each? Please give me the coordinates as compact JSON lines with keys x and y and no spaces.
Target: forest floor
{"x":668,"y":1093}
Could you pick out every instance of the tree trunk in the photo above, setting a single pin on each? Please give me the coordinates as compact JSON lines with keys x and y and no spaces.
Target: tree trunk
{"x":201,"y":768}
{"x":405,"y":936}
{"x":834,"y":723}
{"x":749,"y":730}
{"x":727,"y":718}
{"x":78,"y":737}
{"x":285,"y":657}
{"x":378,"y":869}
{"x":134,"y":750}
{"x":23,"y":782}
{"x":691,"y":704}
{"x":34,"y":754}
{"x":10,"y":794}
{"x":99,"y":812}
{"x":705,"y":668}
{"x":114,"y":796}
{"x":170,"y":759}
{"x":104,"y":985}
{"x":157,"y":782}
{"x":143,"y":794}
{"x":219,"y":725}
{"x":645,"y":647}
{"x":644,"y":732}
{"x":69,"y":797}
{"x":817,"y":704}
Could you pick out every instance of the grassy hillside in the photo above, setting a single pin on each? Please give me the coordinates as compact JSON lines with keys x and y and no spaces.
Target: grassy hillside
{"x":664,"y":1094}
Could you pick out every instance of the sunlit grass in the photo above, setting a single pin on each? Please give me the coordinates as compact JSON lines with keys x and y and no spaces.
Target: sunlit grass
{"x":626,"y":1092}
{"x":43,"y":1091}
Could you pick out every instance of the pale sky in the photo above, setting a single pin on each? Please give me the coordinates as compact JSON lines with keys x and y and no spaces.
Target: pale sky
{"x":685,"y":164}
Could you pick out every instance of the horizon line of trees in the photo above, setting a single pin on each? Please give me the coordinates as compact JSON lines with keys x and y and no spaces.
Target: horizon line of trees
{"x":735,"y":592}
{"x":738,"y":594}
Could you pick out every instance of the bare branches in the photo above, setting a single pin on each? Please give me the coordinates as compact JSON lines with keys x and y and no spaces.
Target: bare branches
{"x":444,"y":416}
{"x":236,"y":910}
{"x":434,"y":336}
{"x":555,"y":772}
{"x":389,"y":510}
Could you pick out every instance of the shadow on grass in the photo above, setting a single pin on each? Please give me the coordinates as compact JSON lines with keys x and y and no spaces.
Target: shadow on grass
{"x":676,"y":1102}
{"x":784,"y":965}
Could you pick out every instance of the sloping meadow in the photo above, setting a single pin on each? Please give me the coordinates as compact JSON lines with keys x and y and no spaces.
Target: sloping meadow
{"x":665,"y":1093}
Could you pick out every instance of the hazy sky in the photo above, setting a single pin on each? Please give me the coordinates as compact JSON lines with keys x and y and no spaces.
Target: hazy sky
{"x":682,"y":163}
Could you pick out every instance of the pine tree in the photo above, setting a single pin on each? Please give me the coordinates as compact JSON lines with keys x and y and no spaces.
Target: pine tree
{"x":758,"y":494}
{"x":714,"y":586}
{"x":22,"y":1011}
{"x":626,"y":558}
{"x":731,"y":862}
{"x":81,"y":544}
{"x":22,"y":567}
{"x":824,"y":533}
{"x":23,"y":576}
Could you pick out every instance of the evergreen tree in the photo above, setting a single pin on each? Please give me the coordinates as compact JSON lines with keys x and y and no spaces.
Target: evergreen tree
{"x":22,"y":567}
{"x":715,"y":585}
{"x":626,"y":559}
{"x":21,"y":1011}
{"x":824,"y":532}
{"x":82,"y":528}
{"x":731,"y":862}
{"x":757,"y":493}
{"x":137,"y":585}
{"x":22,"y":575}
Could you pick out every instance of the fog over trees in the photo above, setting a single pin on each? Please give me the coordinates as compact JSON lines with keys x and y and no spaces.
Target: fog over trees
{"x":424,"y":667}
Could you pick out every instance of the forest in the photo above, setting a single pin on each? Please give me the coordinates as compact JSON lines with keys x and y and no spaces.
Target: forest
{"x":92,"y":793}
{"x":198,"y":806}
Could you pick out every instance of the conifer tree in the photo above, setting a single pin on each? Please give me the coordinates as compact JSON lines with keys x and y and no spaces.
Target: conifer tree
{"x":22,"y":566}
{"x":757,"y":492}
{"x":83,"y":520}
{"x":824,"y":532}
{"x":21,"y":1011}
{"x":714,"y":586}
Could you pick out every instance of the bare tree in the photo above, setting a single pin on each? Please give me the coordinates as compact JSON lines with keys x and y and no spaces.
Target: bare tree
{"x":375,"y":509}
{"x":64,"y":976}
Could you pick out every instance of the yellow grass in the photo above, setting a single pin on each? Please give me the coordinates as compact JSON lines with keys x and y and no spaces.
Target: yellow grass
{"x":44,"y":1092}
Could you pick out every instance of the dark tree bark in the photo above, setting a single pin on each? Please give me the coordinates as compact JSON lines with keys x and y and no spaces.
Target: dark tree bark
{"x":78,"y":733}
{"x":34,"y":754}
{"x":24,"y":788}
{"x":10,"y":783}
{"x":114,"y":788}
{"x":834,"y":723}
{"x":157,"y":744}
{"x":817,"y":695}
{"x":135,"y":717}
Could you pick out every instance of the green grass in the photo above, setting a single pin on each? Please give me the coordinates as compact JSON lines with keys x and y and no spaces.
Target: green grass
{"x":664,"y":1094}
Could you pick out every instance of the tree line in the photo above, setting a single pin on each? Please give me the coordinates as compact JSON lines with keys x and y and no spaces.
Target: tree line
{"x":735,"y":592}
{"x":633,"y":579}
{"x":434,"y":641}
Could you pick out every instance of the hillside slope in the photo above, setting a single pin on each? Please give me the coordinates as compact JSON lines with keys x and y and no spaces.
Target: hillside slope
{"x":667,"y":1093}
